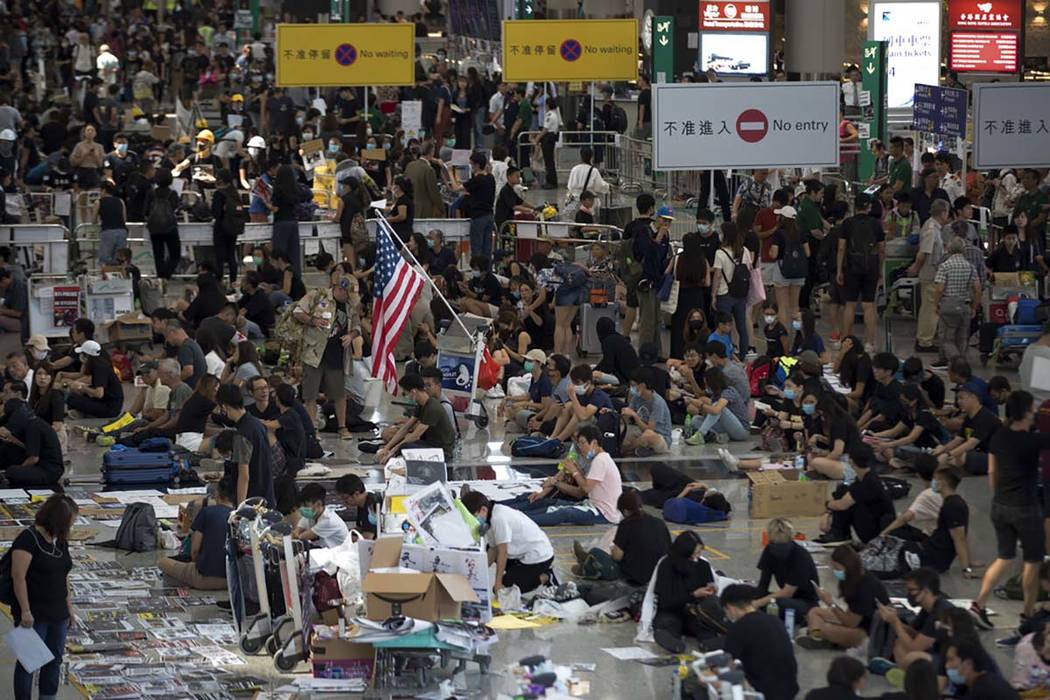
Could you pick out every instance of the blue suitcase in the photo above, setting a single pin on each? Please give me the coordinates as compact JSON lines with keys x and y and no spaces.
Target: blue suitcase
{"x":1018,"y":336}
{"x":132,"y":466}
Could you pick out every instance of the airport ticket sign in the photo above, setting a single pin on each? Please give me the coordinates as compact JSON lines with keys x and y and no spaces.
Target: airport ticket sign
{"x":745,"y":125}
{"x":345,"y":54}
{"x":570,"y":50}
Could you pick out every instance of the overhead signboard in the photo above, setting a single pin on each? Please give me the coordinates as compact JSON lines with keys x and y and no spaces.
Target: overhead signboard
{"x":912,"y":32}
{"x":734,"y":54}
{"x":939,"y":110}
{"x":579,"y":49}
{"x":745,"y":125}
{"x":734,"y":16}
{"x":985,"y":14}
{"x":663,"y":49}
{"x":984,"y":52}
{"x":345,"y":54}
{"x":1011,"y":125}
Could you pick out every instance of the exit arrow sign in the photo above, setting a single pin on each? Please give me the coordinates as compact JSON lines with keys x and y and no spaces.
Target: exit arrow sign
{"x":873,"y":100}
{"x":870,"y":68}
{"x":663,"y":50}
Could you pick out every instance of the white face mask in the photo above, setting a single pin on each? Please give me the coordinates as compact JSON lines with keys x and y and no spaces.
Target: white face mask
{"x":39,"y":354}
{"x":770,"y":320}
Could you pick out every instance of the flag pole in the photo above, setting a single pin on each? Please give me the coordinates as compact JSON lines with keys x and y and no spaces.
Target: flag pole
{"x":415,"y":262}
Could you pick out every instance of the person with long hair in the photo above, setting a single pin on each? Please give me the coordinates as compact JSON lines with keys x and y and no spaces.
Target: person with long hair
{"x":854,"y":370}
{"x":640,"y":542}
{"x":683,"y":578}
{"x":162,"y":224}
{"x":285,"y":222}
{"x":838,"y":435}
{"x":193,"y":418}
{"x":728,"y":257}
{"x":40,"y":566}
{"x":401,"y":213}
{"x":101,"y":395}
{"x":690,"y":269}
{"x":786,"y":244}
{"x":209,"y":300}
{"x":916,"y":430}
{"x":693,"y":329}
{"x":242,"y":367}
{"x":49,"y":403}
{"x":806,"y":337}
{"x":845,"y":627}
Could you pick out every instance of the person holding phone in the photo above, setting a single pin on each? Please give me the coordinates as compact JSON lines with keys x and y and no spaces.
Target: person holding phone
{"x":846,"y":626}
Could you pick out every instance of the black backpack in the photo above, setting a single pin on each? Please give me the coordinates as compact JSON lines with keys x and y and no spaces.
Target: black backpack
{"x":740,"y":283}
{"x":793,"y":262}
{"x":612,"y":431}
{"x":233,"y":217}
{"x":161,"y":216}
{"x":617,"y":119}
{"x":138,"y":530}
{"x":862,"y":247}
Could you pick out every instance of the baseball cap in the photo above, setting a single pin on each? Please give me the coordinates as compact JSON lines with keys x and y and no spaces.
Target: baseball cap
{"x":809,"y":357}
{"x":90,"y":348}
{"x":787,"y":212}
{"x":37,"y":341}
{"x":665,"y":213}
{"x":148,"y":367}
{"x":536,"y":355}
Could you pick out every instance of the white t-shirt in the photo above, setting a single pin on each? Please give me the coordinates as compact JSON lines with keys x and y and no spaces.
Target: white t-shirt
{"x":609,"y":487}
{"x":214,"y":363}
{"x":496,"y":104}
{"x":926,"y":507}
{"x":525,"y":541}
{"x":330,"y":529}
{"x":724,"y":263}
{"x":107,"y":65}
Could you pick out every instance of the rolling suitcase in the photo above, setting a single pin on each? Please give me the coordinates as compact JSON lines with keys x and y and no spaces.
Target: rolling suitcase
{"x":589,"y":315}
{"x":1018,"y":336}
{"x":132,"y":466}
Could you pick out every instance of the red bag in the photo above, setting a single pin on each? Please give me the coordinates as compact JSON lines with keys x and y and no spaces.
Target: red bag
{"x":488,"y":371}
{"x":122,"y":365}
{"x":326,"y":593}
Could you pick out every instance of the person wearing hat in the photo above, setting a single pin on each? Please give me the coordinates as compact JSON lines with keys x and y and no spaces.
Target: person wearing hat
{"x":201,"y":166}
{"x":107,"y":65}
{"x":151,"y":402}
{"x":541,"y":391}
{"x":37,"y":349}
{"x":859,"y":263}
{"x":235,"y":115}
{"x":789,"y":247}
{"x":653,"y":249}
{"x":101,"y":395}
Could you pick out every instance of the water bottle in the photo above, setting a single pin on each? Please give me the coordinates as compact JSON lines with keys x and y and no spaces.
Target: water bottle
{"x":789,"y":623}
{"x":800,"y":463}
{"x":773,"y":608}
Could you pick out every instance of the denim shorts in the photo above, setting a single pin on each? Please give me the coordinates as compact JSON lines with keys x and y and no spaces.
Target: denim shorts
{"x":569,"y":296}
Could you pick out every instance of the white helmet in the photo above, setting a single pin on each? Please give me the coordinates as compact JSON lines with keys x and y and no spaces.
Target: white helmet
{"x":8,"y":135}
{"x":257,"y":142}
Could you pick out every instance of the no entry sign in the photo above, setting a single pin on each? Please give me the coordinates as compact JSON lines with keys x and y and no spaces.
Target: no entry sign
{"x":745,"y":125}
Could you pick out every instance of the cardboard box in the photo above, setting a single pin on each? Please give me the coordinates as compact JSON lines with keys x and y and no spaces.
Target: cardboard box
{"x":339,"y":658}
{"x":131,"y":326}
{"x":424,"y":596}
{"x":779,"y":494}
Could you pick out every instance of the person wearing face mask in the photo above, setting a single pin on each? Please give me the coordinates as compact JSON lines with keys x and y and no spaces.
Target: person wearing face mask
{"x":967,"y":664}
{"x":648,"y":418}
{"x":120,"y":161}
{"x":245,"y":448}
{"x":375,"y":163}
{"x":521,"y":551}
{"x":832,"y":433}
{"x":923,"y":639}
{"x":37,"y":350}
{"x":683,"y":580}
{"x":318,"y":523}
{"x":775,"y":334}
{"x":690,"y":269}
{"x":761,"y":644}
{"x":862,"y":506}
{"x":540,"y":395}
{"x":401,"y":213}
{"x":861,"y":591}
{"x":721,"y":416}
{"x":791,"y":566}
{"x":585,"y":401}
{"x":806,"y":337}
{"x":353,"y":494}
{"x":619,"y":359}
{"x":916,"y":431}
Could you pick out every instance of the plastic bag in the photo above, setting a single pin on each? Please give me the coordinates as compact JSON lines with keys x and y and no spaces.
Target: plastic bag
{"x":510,"y":599}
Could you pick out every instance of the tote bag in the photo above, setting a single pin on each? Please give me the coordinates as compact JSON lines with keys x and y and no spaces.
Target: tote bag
{"x":669,"y":288}
{"x":756,"y":293}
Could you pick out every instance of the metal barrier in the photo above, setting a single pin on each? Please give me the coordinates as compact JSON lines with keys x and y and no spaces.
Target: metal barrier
{"x":39,"y":248}
{"x":601,"y":144}
{"x":457,"y":230}
{"x":557,"y":233}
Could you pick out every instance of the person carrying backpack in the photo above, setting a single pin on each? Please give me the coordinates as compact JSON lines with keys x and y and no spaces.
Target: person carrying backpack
{"x":731,"y":281}
{"x":162,"y":203}
{"x":228,"y":217}
{"x":791,"y":253}
{"x":861,"y":250}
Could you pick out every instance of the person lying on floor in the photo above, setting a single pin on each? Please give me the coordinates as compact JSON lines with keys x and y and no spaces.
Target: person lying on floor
{"x":585,"y":401}
{"x":845,"y":627}
{"x":791,"y":566}
{"x":668,"y":483}
{"x":575,"y":498}
{"x":206,"y":568}
{"x":318,"y":524}
{"x":641,"y":540}
{"x":684,"y":580}
{"x":521,"y":551}
{"x":721,"y":415}
{"x":917,"y":430}
{"x":969,"y":447}
{"x":861,"y":505}
{"x":648,"y":418}
{"x":619,"y":359}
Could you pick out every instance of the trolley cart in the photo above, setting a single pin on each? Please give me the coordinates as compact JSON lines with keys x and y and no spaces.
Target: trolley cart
{"x":288,"y":642}
{"x":253,"y":574}
{"x":460,"y":351}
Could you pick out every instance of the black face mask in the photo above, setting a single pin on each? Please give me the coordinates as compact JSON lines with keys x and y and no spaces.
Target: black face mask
{"x":696,"y":325}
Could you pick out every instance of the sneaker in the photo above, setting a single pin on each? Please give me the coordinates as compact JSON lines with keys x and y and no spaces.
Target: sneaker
{"x":895,"y":677}
{"x":579,"y":551}
{"x":880,"y":666}
{"x":722,"y":438}
{"x":695,"y":439}
{"x":671,"y":642}
{"x":730,"y":460}
{"x":644,"y":452}
{"x":812,"y":642}
{"x":939,"y":363}
{"x":833,"y":539}
{"x":835,"y":337}
{"x":1008,"y":641}
{"x":980,"y":616}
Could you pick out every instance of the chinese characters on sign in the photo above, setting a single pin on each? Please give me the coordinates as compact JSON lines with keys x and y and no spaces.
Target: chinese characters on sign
{"x":984,"y":52}
{"x":734,"y":16}
{"x":1011,"y":125}
{"x":912,"y":32}
{"x":985,"y":14}
{"x":345,"y":54}
{"x":939,"y":110}
{"x":589,"y":49}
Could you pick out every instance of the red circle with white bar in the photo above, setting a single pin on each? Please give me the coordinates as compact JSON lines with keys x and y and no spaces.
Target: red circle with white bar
{"x":752,"y":125}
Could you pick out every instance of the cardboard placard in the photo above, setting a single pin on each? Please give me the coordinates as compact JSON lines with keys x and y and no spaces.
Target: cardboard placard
{"x":780,"y":493}
{"x":374,"y":154}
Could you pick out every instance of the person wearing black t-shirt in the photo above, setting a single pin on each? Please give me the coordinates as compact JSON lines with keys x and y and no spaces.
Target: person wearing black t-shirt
{"x":969,"y":449}
{"x":352,"y":492}
{"x":846,"y":677}
{"x":916,"y":430}
{"x":914,"y":373}
{"x":683,"y":580}
{"x":43,"y":465}
{"x":854,"y":370}
{"x":509,"y":202}
{"x":950,"y":538}
{"x":641,"y":541}
{"x":761,"y":644}
{"x":792,"y":567}
{"x":481,"y":196}
{"x":774,"y":332}
{"x":863,"y":505}
{"x":113,"y":233}
{"x":1013,"y":470}
{"x":483,"y":293}
{"x":883,"y":408}
{"x":862,"y":592}
{"x":969,"y":665}
{"x":923,"y":638}
{"x":255,"y":303}
{"x":101,"y":396}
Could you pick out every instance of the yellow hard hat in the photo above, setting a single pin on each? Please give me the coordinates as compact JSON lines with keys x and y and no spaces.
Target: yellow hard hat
{"x":237,"y":97}
{"x":206,"y":135}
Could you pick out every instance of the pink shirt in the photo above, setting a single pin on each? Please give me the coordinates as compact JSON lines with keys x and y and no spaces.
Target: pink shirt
{"x":609,"y":487}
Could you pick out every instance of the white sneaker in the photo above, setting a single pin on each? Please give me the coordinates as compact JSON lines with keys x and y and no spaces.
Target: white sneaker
{"x":731,"y":461}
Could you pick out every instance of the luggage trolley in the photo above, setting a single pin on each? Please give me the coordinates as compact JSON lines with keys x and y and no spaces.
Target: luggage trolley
{"x":252,"y":575}
{"x":287,"y":642}
{"x":460,"y":350}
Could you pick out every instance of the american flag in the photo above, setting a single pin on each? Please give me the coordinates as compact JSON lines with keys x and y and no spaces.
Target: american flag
{"x":397,"y":286}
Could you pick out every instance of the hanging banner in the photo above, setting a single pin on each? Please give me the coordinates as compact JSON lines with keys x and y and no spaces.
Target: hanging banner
{"x":345,"y":54}
{"x":579,"y":49}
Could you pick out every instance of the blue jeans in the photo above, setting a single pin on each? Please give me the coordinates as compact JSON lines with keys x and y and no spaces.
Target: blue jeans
{"x":54,"y":636}
{"x":278,"y":299}
{"x":481,"y":229}
{"x":253,"y":331}
{"x":738,"y":308}
{"x":108,"y":243}
{"x":556,"y":511}
{"x":724,"y":422}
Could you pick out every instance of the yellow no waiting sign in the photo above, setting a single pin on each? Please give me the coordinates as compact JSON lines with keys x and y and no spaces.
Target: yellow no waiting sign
{"x":579,"y":49}
{"x":345,"y":54}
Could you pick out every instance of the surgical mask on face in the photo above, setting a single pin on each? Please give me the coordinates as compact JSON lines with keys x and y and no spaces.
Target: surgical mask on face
{"x":306,"y":512}
{"x":333,"y":148}
{"x":482,"y":521}
{"x":433,"y":243}
{"x":839,"y":574}
{"x":581,"y":389}
{"x":122,"y":148}
{"x":529,"y":365}
{"x":703,"y":229}
{"x":770,"y":320}
{"x":935,"y":486}
{"x":371,"y":517}
{"x":956,"y":677}
{"x":257,"y":260}
{"x":300,"y":120}
{"x":790,"y":394}
{"x":809,"y":408}
{"x":590,"y":455}
{"x":635,"y":393}
{"x":387,"y":146}
{"x":797,"y":325}
{"x":308,"y":135}
{"x":476,"y":274}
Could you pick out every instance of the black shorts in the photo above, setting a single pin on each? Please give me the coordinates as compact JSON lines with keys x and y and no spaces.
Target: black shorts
{"x":860,"y":287}
{"x":1024,"y":523}
{"x":835,"y":293}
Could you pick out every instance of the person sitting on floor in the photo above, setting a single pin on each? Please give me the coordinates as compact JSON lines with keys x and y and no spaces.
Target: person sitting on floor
{"x":1032,"y":662}
{"x":722,"y":416}
{"x":683,"y":579}
{"x":735,"y":374}
{"x":619,"y":359}
{"x":522,"y":553}
{"x":971,"y":666}
{"x":861,"y":505}
{"x":761,"y":644}
{"x":100,"y":395}
{"x":522,"y":409}
{"x":791,"y":566}
{"x":883,"y":408}
{"x":949,"y":538}
{"x":206,"y":567}
{"x":917,"y":522}
{"x":585,"y":402}
{"x":545,"y":420}
{"x":845,"y":627}
{"x":969,"y":448}
{"x":352,"y":492}
{"x":829,"y":450}
{"x":641,"y":541}
{"x":164,"y":425}
{"x":923,"y":639}
{"x":318,"y":523}
{"x":483,"y":294}
{"x":31,"y":452}
{"x":917,"y":429}
{"x":648,"y":418}
{"x":429,"y":427}
{"x":255,"y":306}
{"x":846,"y":678}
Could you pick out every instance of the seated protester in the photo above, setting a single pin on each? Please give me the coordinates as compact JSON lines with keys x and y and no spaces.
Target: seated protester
{"x":522,"y":409}
{"x":164,"y":425}
{"x":206,"y":567}
{"x":429,"y":427}
{"x":761,"y":644}
{"x":777,"y":339}
{"x":262,"y":405}
{"x":318,"y":524}
{"x":255,"y":305}
{"x":152,"y":401}
{"x":424,"y":354}
{"x":917,"y":429}
{"x":883,"y":408}
{"x":159,"y":319}
{"x":432,"y":378}
{"x":999,"y":390}
{"x":723,"y":332}
{"x":854,"y":370}
{"x":862,"y":592}
{"x":812,"y":369}
{"x":619,"y":359}
{"x":806,"y":337}
{"x":1013,"y":470}
{"x":522,"y":553}
{"x":969,"y":448}
{"x":513,"y":341}
{"x":35,"y":439}
{"x":536,"y":316}
{"x":862,"y":506}
{"x":48,"y":402}
{"x":290,"y":434}
{"x":68,"y":366}
{"x":187,"y":351}
{"x":967,"y":664}
{"x":649,"y":358}
{"x":949,"y":538}
{"x":791,"y":566}
{"x":219,"y":330}
{"x":100,"y":395}
{"x":961,"y":374}
{"x":722,"y":414}
{"x":483,"y":294}
{"x":923,"y":639}
{"x":683,"y":579}
{"x":931,"y":384}
{"x":241,"y":368}
{"x":585,"y":401}
{"x":557,"y":369}
{"x":784,"y":417}
{"x":829,"y":453}
{"x":1032,"y":662}
{"x":648,"y":418}
{"x":290,"y":287}
{"x":917,"y":522}
{"x":16,"y":370}
{"x":641,"y":541}
{"x":193,"y":418}
{"x":585,"y":216}
{"x":353,"y":494}
{"x":208,"y":301}
{"x":444,"y":257}
{"x":846,"y":678}
{"x":573,"y":498}
{"x":1008,"y":256}
{"x":687,"y":376}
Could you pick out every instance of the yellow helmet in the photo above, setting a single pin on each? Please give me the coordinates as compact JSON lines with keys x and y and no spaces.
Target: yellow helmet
{"x":549,"y":212}
{"x":206,"y":135}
